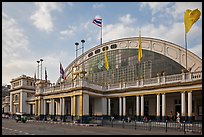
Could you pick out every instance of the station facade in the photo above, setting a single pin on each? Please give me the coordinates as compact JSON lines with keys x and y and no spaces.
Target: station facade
{"x":152,"y":88}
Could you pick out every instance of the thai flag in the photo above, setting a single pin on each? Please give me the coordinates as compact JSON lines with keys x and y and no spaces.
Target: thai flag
{"x":62,"y":71}
{"x":98,"y":22}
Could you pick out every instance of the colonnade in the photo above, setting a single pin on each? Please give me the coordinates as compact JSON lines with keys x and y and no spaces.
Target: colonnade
{"x":80,"y":106}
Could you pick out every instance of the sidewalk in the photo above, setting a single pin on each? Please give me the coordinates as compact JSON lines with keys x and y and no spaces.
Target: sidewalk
{"x":138,"y":130}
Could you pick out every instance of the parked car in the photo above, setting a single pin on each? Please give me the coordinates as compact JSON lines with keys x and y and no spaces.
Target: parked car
{"x":21,"y":117}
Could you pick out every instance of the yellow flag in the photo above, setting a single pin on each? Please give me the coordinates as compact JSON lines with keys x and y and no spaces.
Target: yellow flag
{"x":190,"y":17}
{"x":106,"y":60}
{"x":140,"y":49}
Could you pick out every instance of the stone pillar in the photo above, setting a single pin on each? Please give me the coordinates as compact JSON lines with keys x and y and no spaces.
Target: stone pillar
{"x":137,"y":107}
{"x":124,"y":107}
{"x":73,"y":105}
{"x":62,"y":109}
{"x":85,"y":107}
{"x":44,"y":109}
{"x":158,"y":106}
{"x":190,"y":101}
{"x":163,"y":107}
{"x":109,"y":107}
{"x":41,"y":105}
{"x":183,"y":106}
{"x":120,"y":107}
{"x":11,"y":103}
{"x":142,"y":106}
{"x":104,"y":106}
{"x":52,"y":109}
{"x":36,"y":107}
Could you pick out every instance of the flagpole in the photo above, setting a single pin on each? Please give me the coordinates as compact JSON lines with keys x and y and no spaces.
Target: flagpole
{"x":60,"y":78}
{"x":101,"y":31}
{"x":139,"y":65}
{"x":186,"y":50}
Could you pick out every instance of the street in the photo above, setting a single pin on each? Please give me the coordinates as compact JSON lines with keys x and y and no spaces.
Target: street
{"x":10,"y":127}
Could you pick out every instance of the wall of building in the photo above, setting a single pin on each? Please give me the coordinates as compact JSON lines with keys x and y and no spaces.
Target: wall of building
{"x":23,"y":104}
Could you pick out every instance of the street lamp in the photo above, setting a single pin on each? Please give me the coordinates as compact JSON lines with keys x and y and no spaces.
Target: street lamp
{"x":41,"y":60}
{"x":38,"y":68}
{"x":77,"y":44}
{"x":83,"y":41}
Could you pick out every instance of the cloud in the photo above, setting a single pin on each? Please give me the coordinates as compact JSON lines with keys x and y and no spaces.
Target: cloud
{"x":120,"y":29}
{"x":68,"y":32}
{"x":13,"y":39}
{"x":42,"y":17}
{"x":178,"y":9}
{"x":197,"y":50}
{"x":115,"y":31}
{"x":127,"y":19}
{"x":15,"y":50}
{"x":173,"y":33}
{"x":155,"y":6}
{"x":98,"y":6}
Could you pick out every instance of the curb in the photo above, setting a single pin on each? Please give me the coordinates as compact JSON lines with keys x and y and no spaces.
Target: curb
{"x":76,"y":124}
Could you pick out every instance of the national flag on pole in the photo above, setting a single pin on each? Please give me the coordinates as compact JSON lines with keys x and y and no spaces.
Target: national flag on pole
{"x":106,"y":60}
{"x":140,"y":49}
{"x":98,"y":22}
{"x":190,"y":17}
{"x":62,"y":71}
{"x":45,"y":75}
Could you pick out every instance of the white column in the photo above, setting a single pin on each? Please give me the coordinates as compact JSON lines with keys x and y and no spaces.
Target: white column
{"x":11,"y":103}
{"x":158,"y":104}
{"x":104,"y":106}
{"x":124,"y":106}
{"x":85,"y":104}
{"x":138,"y":106}
{"x":142,"y":105}
{"x":60,"y":109}
{"x":63,"y":106}
{"x":190,"y":103}
{"x":41,"y":107}
{"x":120,"y":106}
{"x":183,"y":104}
{"x":163,"y":104}
{"x":73,"y":105}
{"x":109,"y":107}
{"x":52,"y":106}
{"x":44,"y":107}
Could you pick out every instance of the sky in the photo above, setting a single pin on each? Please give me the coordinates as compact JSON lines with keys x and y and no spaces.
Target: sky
{"x":32,"y":31}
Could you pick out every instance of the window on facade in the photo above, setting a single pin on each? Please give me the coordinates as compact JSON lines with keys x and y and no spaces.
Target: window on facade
{"x":114,"y":46}
{"x":105,"y":48}
{"x":90,"y":54}
{"x":16,"y":98}
{"x":97,"y":51}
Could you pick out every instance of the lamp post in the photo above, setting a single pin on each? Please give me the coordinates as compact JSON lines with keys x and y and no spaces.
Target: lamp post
{"x":41,"y":60}
{"x":38,"y":69}
{"x":83,"y":41}
{"x":77,"y":44}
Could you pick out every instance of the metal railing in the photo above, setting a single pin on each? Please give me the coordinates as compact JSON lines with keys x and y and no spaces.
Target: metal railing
{"x":194,"y":127}
{"x":184,"y":77}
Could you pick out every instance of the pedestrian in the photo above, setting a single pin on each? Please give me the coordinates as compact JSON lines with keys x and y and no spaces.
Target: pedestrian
{"x":128,"y":119}
{"x":171,"y":116}
{"x":178,"y":117}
